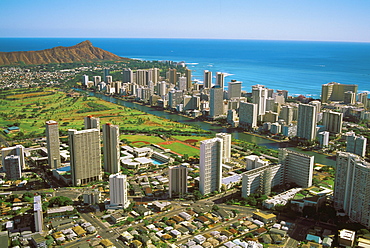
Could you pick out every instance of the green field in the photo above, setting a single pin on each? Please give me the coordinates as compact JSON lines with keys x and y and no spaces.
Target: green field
{"x":30,"y":108}
{"x":182,"y":149}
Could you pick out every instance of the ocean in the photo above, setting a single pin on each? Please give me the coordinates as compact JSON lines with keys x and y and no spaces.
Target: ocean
{"x":300,"y":67}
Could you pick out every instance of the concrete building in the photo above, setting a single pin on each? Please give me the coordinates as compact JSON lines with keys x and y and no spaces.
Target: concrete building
{"x":216,"y":103}
{"x":349,"y":97}
{"x":12,"y":167}
{"x":53,"y":144}
{"x":306,"y":127}
{"x":275,"y":128}
{"x":286,"y":114}
{"x":118,"y":191}
{"x":210,"y":165}
{"x":298,"y":167}
{"x":127,"y":76}
{"x":97,"y":80}
{"x":178,"y":184}
{"x":335,"y":91}
{"x":226,"y":139}
{"x":364,"y":99}
{"x":259,"y":96}
{"x":356,"y":144}
{"x":37,"y":211}
{"x":351,"y":188}
{"x":270,"y":116}
{"x":323,"y":138}
{"x":248,"y":115}
{"x":181,"y":84}
{"x":254,"y":161}
{"x":91,"y":197}
{"x":85,"y":80}
{"x":234,"y":89}
{"x":85,"y":156}
{"x":189,"y":85}
{"x":207,"y":82}
{"x":91,"y":122}
{"x":232,"y":118}
{"x":332,"y":121}
{"x":17,"y":150}
{"x":111,"y":148}
{"x":262,"y":179}
{"x":220,"y":79}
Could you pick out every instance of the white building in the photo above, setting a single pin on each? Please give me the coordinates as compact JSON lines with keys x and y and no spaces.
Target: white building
{"x":323,"y":138}
{"x":216,"y":103}
{"x":210,"y":166}
{"x":351,"y":188}
{"x":226,"y":139}
{"x":356,"y":144}
{"x":17,"y":150}
{"x":118,"y":191}
{"x":91,"y":122}
{"x":234,"y":89}
{"x":259,"y":96}
{"x":37,"y":209}
{"x":248,"y":115}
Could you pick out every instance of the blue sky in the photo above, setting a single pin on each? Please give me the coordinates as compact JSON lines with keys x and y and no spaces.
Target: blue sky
{"x":326,"y":20}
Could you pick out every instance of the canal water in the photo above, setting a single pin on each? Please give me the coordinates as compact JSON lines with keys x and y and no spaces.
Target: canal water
{"x":319,"y":158}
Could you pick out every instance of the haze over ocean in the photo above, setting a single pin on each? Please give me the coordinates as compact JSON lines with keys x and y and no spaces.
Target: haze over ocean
{"x":300,"y":67}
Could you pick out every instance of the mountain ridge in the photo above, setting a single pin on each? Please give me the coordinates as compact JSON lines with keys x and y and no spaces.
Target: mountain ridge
{"x":81,"y":52}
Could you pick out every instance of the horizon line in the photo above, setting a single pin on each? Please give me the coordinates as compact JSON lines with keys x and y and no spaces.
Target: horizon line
{"x":179,"y":38}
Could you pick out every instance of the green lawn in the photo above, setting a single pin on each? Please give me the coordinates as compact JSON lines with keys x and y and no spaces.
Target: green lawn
{"x":182,"y":149}
{"x":183,"y":138}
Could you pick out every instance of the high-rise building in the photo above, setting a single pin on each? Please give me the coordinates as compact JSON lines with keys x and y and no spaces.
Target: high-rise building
{"x":37,"y":211}
{"x":12,"y":167}
{"x":286,"y":114}
{"x":216,"y":103}
{"x":262,"y":179}
{"x":97,"y":80}
{"x":220,"y":79}
{"x":226,"y":140}
{"x":188,"y":79}
{"x":351,"y":187}
{"x":323,"y":138}
{"x":306,"y":126}
{"x":128,"y":76}
{"x":332,"y":121}
{"x":162,"y":89}
{"x":141,"y":77}
{"x":53,"y":144}
{"x":85,"y":156}
{"x":363,"y":98}
{"x":259,"y":96}
{"x":349,"y":97}
{"x":181,"y":85}
{"x":17,"y":150}
{"x":248,"y":115}
{"x":207,"y":82}
{"x":91,"y":122}
{"x":234,"y":89}
{"x":298,"y":167}
{"x":118,"y":191}
{"x":154,"y":75}
{"x":335,"y":91}
{"x":172,"y":76}
{"x":111,"y":148}
{"x":108,"y":80}
{"x":356,"y":144}
{"x":85,"y":79}
{"x":210,"y":166}
{"x":105,"y":74}
{"x":178,"y":184}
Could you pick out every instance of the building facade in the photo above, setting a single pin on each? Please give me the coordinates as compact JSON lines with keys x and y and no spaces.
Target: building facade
{"x":111,"y":148}
{"x":248,"y":115}
{"x":335,"y":91}
{"x":118,"y":191}
{"x":351,"y":188}
{"x":332,"y":121}
{"x":85,"y":156}
{"x":306,"y":126}
{"x":210,"y":166}
{"x":37,"y":211}
{"x":53,"y":144}
{"x":178,"y":184}
{"x":226,"y":139}
{"x":91,"y":122}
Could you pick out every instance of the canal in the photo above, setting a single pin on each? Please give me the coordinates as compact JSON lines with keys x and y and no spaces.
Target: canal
{"x":319,"y":158}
